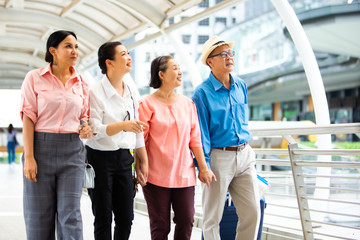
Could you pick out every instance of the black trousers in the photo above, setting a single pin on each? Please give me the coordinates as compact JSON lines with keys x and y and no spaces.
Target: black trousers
{"x":112,"y":193}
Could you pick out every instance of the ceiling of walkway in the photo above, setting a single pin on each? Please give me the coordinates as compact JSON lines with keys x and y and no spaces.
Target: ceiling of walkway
{"x":331,"y":29}
{"x":26,"y":24}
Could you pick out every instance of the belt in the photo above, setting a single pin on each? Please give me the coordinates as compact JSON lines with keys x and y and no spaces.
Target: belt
{"x":235,"y":148}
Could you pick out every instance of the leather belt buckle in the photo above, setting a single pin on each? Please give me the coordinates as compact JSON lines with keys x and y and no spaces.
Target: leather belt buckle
{"x":234,"y":148}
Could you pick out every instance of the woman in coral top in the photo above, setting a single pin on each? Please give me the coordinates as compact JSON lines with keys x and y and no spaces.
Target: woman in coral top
{"x":172,"y":136}
{"x":54,"y":100}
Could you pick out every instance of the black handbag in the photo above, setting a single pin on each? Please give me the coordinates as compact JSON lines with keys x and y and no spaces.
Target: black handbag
{"x":16,"y":141}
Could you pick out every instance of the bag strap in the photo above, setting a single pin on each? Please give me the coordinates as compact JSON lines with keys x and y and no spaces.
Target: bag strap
{"x":82,"y":87}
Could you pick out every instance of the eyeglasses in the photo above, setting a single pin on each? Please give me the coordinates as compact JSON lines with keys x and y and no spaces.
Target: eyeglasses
{"x":224,"y":54}
{"x":127,"y":115}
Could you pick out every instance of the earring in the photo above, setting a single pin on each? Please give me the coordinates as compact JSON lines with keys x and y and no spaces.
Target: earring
{"x":54,"y":61}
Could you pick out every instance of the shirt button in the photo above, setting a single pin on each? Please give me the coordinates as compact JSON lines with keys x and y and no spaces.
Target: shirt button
{"x":169,"y":106}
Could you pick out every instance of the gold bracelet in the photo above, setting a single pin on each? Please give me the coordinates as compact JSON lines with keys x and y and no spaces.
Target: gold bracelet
{"x":204,"y":171}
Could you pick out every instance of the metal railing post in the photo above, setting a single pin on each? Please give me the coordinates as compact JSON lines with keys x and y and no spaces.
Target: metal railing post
{"x":301,"y":194}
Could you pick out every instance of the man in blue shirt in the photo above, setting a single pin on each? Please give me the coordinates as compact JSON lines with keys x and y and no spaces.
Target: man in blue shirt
{"x":222,"y":106}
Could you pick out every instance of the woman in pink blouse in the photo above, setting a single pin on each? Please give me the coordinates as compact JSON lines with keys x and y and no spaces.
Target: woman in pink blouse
{"x":53,"y":101}
{"x":172,"y":136}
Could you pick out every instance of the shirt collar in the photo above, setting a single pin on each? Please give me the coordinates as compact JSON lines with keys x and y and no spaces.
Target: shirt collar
{"x":109,"y":89}
{"x":47,"y":69}
{"x":216,"y":84}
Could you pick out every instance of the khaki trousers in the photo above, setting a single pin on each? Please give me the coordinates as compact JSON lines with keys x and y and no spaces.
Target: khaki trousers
{"x":235,"y":172}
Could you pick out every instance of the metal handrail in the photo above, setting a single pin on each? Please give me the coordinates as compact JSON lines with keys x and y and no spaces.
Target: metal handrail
{"x":335,"y":225}
{"x":282,"y":184}
{"x":330,"y":200}
{"x":333,"y":213}
{"x":331,"y":188}
{"x":273,"y":162}
{"x":301,"y":186}
{"x":271,"y":151}
{"x":329,"y":176}
{"x":277,"y":173}
{"x":347,"y":128}
{"x":280,"y":195}
{"x":333,"y":152}
{"x":329,"y":235}
{"x":279,"y":235}
{"x":327,"y":164}
{"x":285,"y":206}
{"x":275,"y":225}
{"x":283,"y":216}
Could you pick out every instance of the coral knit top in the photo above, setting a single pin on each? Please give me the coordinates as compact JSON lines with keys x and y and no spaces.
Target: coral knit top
{"x":173,"y":129}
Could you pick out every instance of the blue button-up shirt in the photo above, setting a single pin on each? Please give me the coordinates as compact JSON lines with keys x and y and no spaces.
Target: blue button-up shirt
{"x":223,"y":113}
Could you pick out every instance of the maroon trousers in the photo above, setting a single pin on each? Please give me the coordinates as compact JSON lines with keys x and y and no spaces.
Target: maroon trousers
{"x":159,"y":201}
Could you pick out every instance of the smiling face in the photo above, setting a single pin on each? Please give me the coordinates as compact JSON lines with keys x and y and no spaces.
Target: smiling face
{"x":220,"y":64}
{"x":122,"y":60}
{"x":172,"y":76}
{"x":66,"y":53}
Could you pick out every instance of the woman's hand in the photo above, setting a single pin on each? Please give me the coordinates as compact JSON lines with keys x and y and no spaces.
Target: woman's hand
{"x":207,"y":177}
{"x":85,"y":131}
{"x":134,"y":126}
{"x":30,"y":168}
{"x":142,"y":173}
{"x":141,"y":165}
{"x":142,"y":169}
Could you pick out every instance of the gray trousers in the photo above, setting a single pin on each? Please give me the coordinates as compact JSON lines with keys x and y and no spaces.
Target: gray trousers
{"x":54,"y":200}
{"x":235,"y":172}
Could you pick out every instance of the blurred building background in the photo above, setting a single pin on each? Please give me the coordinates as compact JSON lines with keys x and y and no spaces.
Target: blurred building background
{"x":266,"y":57}
{"x":265,"y":54}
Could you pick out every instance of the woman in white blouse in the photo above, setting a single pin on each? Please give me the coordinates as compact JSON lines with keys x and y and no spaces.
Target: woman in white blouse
{"x":116,"y":131}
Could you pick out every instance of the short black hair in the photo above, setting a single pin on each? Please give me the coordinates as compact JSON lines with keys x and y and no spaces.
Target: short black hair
{"x":107,"y":51}
{"x":54,"y":40}
{"x":159,"y":64}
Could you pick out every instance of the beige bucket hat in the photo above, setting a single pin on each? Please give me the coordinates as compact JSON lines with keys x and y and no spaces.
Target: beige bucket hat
{"x":210,"y":45}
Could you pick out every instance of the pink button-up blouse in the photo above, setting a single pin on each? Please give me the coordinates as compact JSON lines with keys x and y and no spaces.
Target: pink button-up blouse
{"x":173,"y":129}
{"x":52,"y":106}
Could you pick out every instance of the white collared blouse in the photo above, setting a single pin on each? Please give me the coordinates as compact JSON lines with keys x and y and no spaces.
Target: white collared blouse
{"x":106,"y":107}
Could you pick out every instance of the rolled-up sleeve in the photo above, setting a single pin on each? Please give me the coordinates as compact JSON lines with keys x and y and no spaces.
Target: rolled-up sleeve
{"x":195,"y":134}
{"x":140,"y":140}
{"x":28,"y":105}
{"x":145,"y":115}
{"x":203,"y":116}
{"x":96,"y":116}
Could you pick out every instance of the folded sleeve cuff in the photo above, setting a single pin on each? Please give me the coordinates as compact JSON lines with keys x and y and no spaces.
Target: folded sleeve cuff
{"x":140,"y":140}
{"x":29,"y":114}
{"x":99,"y":131}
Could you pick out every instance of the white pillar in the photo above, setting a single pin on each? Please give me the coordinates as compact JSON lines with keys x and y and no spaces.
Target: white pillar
{"x":316,"y":86}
